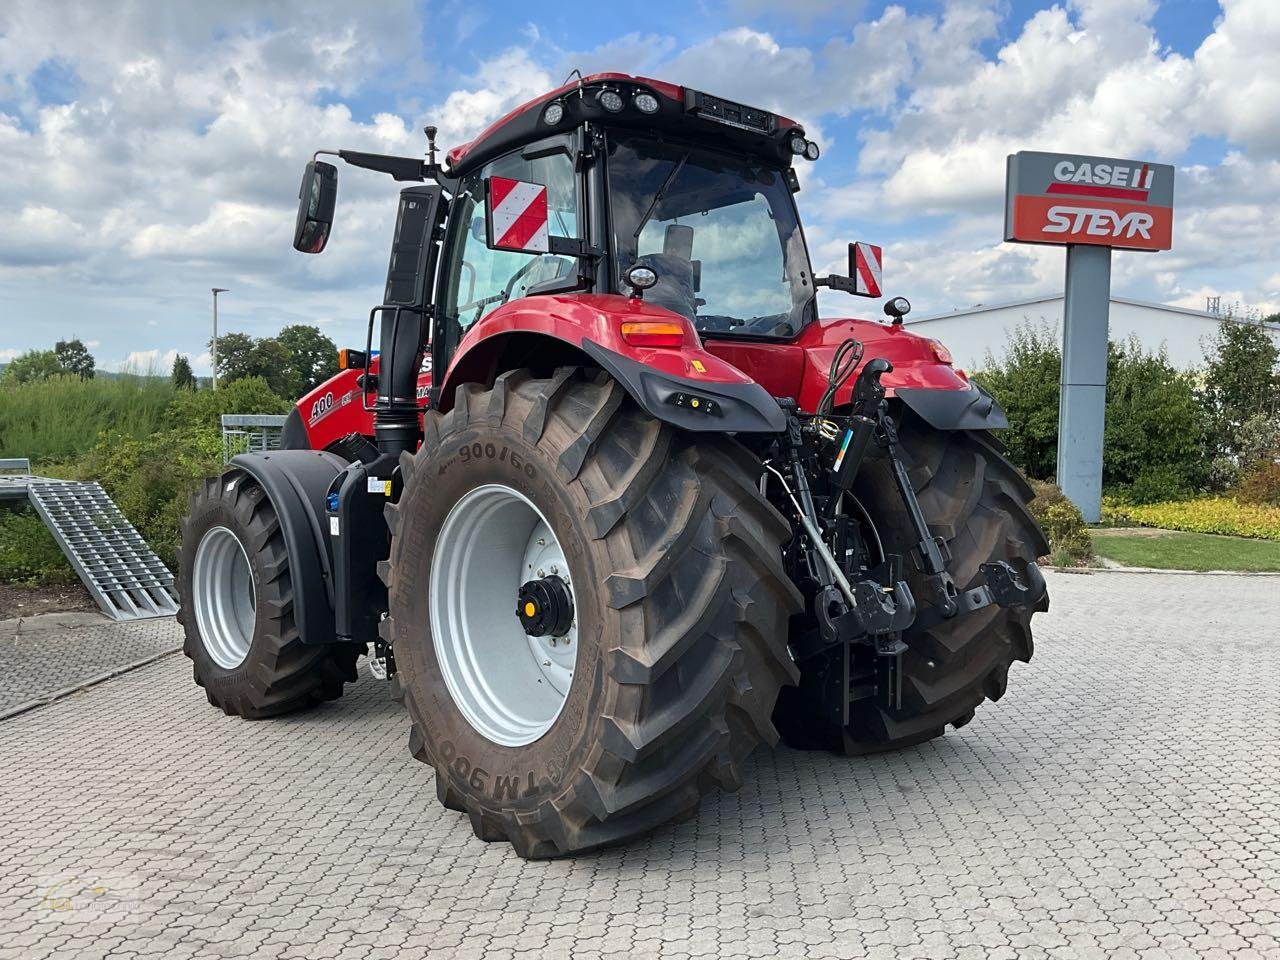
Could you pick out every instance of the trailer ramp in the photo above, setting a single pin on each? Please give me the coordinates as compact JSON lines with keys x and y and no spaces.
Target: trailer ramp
{"x":117,"y":567}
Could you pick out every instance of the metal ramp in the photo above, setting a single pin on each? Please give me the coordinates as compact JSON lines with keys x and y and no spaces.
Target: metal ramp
{"x":116,"y":565}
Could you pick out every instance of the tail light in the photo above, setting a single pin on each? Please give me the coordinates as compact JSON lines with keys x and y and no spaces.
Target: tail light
{"x":941,"y":353}
{"x":653,"y":333}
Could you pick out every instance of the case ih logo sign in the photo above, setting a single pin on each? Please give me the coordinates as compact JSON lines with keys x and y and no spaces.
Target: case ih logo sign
{"x":517,"y":215}
{"x":1064,"y":198}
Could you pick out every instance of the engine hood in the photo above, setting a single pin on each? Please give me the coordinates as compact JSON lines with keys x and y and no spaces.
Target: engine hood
{"x":799,"y":368}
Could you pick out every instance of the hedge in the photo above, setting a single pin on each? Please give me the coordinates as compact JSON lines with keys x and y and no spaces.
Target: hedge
{"x":1203,"y":515}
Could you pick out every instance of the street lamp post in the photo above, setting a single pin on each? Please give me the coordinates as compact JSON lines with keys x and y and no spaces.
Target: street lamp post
{"x":216,"y":291}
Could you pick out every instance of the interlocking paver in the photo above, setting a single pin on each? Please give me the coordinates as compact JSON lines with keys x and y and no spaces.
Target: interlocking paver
{"x":1120,"y":801}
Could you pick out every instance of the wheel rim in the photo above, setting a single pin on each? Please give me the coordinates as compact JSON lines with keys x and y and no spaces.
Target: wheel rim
{"x":224,"y":598}
{"x":508,"y":685}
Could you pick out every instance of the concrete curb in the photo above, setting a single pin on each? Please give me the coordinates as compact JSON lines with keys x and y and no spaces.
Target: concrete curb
{"x":86,"y":684}
{"x":1179,"y":573}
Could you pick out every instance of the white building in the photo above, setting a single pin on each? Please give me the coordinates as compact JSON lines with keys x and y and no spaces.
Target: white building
{"x":973,"y":332}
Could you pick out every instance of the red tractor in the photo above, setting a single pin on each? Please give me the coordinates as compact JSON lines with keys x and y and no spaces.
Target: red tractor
{"x":611,"y":505}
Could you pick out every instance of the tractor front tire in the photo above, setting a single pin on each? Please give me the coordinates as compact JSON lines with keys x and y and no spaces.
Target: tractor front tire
{"x":976,"y":501}
{"x":680,"y":607}
{"x":236,"y":607}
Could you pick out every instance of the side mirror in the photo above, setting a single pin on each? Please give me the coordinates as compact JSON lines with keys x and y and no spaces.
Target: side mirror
{"x":515,"y":216}
{"x":316,"y":198}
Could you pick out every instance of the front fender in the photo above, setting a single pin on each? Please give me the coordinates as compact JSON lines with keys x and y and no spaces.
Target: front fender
{"x":296,"y":482}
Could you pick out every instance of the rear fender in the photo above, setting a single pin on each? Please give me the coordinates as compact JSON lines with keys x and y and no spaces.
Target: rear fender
{"x":296,"y":482}
{"x":545,"y":331}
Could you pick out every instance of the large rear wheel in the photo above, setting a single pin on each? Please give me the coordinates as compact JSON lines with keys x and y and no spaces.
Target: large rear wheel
{"x":588,"y":612}
{"x":975,"y":500}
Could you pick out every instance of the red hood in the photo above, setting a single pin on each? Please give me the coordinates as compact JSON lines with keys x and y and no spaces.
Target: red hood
{"x":799,"y":368}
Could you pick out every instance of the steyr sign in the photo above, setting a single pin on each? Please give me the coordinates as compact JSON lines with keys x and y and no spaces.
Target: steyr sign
{"x":1088,"y":205}
{"x":1064,"y":198}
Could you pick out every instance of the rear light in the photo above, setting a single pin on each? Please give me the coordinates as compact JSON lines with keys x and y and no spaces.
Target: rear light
{"x":941,"y":353}
{"x":653,"y":333}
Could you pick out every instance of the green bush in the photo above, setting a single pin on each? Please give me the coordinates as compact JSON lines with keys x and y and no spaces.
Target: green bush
{"x":28,"y":552}
{"x":1155,"y":446}
{"x":148,"y":455}
{"x":195,"y":410}
{"x":60,"y":417}
{"x":1025,"y":382}
{"x":1260,"y":483}
{"x":1063,"y":524}
{"x":1154,"y":449}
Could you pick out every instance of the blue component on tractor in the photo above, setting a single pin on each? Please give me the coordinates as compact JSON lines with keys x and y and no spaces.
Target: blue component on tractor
{"x":331,"y":502}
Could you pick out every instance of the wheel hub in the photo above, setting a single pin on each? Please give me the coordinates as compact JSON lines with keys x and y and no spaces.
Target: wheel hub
{"x":545,"y":607}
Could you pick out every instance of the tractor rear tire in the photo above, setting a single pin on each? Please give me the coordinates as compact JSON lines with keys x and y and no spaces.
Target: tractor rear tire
{"x":237,"y":608}
{"x":679,"y":598}
{"x":976,"y":500}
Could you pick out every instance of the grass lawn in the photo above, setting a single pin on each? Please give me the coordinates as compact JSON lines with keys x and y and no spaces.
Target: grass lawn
{"x":1168,"y":550}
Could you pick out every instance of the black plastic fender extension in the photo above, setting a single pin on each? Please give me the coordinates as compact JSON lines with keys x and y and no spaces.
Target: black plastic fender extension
{"x":692,"y":405}
{"x":971,"y":409}
{"x":296,"y":481}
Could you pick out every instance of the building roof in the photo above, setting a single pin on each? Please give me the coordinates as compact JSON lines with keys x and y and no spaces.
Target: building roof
{"x":1050,"y":298}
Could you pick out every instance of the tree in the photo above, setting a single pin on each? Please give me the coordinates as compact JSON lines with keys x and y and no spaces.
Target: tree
{"x":33,"y":365}
{"x":182,"y":376}
{"x":235,"y":356}
{"x":1025,"y":382}
{"x":1240,"y":380}
{"x":313,"y":357}
{"x":241,"y":356}
{"x":271,"y":363}
{"x":74,"y":357}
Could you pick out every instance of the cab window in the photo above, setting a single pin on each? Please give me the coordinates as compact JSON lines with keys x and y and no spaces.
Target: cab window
{"x":478,"y":279}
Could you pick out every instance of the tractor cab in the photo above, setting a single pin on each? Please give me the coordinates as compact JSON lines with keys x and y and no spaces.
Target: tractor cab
{"x":573,"y":191}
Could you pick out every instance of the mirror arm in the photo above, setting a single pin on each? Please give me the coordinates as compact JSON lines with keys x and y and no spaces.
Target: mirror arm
{"x":837,"y":282}
{"x":572,"y":247}
{"x":400,"y":168}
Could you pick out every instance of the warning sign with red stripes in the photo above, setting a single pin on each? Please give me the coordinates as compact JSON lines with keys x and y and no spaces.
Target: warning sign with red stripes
{"x":866,"y":266}
{"x":516,"y":215}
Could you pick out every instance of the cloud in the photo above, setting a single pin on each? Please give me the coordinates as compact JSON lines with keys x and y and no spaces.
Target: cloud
{"x":165,"y":159}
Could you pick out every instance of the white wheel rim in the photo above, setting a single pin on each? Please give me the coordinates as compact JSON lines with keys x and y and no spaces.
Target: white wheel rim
{"x":509,"y":686}
{"x":223,"y":595}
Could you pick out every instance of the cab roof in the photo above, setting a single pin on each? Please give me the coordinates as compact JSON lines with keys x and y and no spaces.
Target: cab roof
{"x":696,"y":114}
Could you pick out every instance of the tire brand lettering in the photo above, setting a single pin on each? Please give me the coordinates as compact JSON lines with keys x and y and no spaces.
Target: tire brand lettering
{"x":480,"y":780}
{"x":508,"y":788}
{"x":490,"y":451}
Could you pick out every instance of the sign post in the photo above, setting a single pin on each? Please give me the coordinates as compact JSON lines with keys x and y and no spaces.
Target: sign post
{"x":1089,"y":205}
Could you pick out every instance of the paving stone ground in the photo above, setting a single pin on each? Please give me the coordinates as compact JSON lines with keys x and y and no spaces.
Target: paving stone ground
{"x":48,"y":653}
{"x":1121,"y":801}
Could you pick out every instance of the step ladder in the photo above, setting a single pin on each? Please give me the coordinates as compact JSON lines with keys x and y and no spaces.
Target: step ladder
{"x":118,"y":568}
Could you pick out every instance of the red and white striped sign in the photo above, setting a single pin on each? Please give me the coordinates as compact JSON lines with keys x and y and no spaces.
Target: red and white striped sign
{"x":866,"y":268}
{"x":517,"y":215}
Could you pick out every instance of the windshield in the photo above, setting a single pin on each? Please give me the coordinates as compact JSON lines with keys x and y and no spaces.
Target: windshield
{"x":720,"y":232}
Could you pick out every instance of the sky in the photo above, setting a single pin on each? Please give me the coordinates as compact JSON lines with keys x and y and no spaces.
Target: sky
{"x":152,"y":150}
